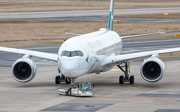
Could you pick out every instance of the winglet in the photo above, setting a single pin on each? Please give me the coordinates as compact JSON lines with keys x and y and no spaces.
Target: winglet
{"x":111,"y":12}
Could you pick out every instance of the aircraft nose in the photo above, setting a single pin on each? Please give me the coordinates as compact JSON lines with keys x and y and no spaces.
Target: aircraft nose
{"x":69,"y":64}
{"x":73,"y":67}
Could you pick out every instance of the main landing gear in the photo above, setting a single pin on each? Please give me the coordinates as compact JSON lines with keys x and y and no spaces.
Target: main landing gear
{"x":123,"y":79}
{"x":62,"y":78}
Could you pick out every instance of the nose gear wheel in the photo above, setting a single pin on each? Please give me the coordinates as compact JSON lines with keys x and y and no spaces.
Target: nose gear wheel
{"x":61,"y":78}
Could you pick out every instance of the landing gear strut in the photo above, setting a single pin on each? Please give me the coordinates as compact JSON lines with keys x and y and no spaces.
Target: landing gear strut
{"x":62,"y":78}
{"x":123,"y":79}
{"x":72,"y":85}
{"x":72,"y":81}
{"x":68,"y":80}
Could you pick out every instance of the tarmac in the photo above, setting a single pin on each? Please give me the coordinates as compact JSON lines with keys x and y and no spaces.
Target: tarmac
{"x":41,"y":94}
{"x":34,"y":15}
{"x":99,"y":18}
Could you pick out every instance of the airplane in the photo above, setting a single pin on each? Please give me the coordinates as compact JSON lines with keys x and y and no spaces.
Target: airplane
{"x":94,"y":52}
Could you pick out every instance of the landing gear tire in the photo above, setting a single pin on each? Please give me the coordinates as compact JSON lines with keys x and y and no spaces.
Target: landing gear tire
{"x":68,"y":80}
{"x":69,"y":91}
{"x":126,"y":71}
{"x":57,"y":79}
{"x":121,"y":79}
{"x":131,"y":79}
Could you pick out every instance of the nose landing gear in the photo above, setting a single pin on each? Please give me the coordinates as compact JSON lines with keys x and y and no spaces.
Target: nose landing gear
{"x":57,"y":79}
{"x":68,"y":80}
{"x":62,"y":78}
{"x":123,"y":79}
{"x":72,"y":81}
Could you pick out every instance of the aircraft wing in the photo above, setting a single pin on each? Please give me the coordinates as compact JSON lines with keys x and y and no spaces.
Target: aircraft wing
{"x":141,"y":35}
{"x":48,"y":56}
{"x":124,"y":57}
{"x":73,"y":34}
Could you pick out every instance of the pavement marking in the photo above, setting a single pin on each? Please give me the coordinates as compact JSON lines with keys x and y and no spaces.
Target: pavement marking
{"x":34,"y":15}
{"x":115,"y":70}
{"x":77,"y":107}
{"x":118,"y":69}
{"x":95,"y":74}
{"x":87,"y":77}
{"x":158,"y":95}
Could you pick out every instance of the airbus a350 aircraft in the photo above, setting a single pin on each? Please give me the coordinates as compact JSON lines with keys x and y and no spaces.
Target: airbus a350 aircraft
{"x":92,"y":53}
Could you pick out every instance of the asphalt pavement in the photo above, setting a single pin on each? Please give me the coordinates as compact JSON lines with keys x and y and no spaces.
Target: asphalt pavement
{"x":41,"y":94}
{"x":34,"y":15}
{"x":99,"y":18}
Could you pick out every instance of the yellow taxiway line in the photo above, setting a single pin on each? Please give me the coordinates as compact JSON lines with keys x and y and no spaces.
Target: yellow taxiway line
{"x":117,"y":69}
{"x":87,"y":76}
{"x":95,"y":74}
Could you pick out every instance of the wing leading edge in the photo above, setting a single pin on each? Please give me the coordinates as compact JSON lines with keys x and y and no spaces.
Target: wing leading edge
{"x":119,"y":58}
{"x":141,"y":35}
{"x":48,"y":56}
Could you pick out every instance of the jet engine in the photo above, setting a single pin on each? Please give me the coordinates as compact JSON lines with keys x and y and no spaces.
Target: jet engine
{"x":24,"y":70}
{"x":152,"y":69}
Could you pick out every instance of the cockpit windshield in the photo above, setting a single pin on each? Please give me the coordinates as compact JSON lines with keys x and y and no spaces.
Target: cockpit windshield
{"x":72,"y":53}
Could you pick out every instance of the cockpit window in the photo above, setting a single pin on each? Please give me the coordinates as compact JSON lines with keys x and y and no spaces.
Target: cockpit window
{"x":72,"y":53}
{"x":67,"y":54}
{"x":79,"y":53}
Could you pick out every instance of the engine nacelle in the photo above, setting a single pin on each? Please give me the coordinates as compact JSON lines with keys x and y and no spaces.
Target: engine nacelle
{"x":152,"y":69}
{"x":24,"y":70}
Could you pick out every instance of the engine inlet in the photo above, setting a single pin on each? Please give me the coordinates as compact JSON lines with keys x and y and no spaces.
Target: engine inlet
{"x":22,"y":71}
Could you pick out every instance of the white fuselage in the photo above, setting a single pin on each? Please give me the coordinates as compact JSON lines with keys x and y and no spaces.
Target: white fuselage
{"x":84,"y":54}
